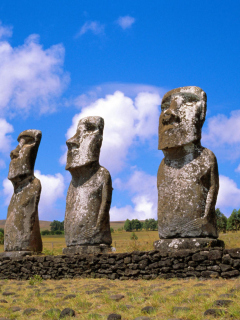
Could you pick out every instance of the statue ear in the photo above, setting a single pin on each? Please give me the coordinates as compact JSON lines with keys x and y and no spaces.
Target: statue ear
{"x":203,"y":107}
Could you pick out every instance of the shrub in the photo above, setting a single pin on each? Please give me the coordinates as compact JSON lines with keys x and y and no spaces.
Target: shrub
{"x":221,"y":221}
{"x":36,"y":279}
{"x":112,"y":230}
{"x":1,"y":238}
{"x":133,"y":236}
{"x":128,"y":225}
{"x":233,"y":222}
{"x":45,"y":232}
{"x":58,"y":232}
{"x":57,"y":225}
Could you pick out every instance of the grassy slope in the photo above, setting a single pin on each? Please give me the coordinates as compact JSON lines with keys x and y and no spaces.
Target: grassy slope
{"x":46,"y":224}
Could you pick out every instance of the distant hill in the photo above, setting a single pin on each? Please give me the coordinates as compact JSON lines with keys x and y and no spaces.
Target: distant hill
{"x":46,"y":224}
{"x":43,"y":224}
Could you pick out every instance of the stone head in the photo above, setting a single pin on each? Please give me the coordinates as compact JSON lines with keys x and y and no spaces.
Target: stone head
{"x":84,"y":147}
{"x":182,"y":117}
{"x":23,"y":157}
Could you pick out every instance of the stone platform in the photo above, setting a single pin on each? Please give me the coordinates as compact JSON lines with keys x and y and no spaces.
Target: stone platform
{"x":102,"y":248}
{"x":17,"y":254}
{"x":172,"y":245}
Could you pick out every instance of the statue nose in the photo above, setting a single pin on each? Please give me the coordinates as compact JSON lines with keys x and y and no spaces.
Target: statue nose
{"x":14,"y":153}
{"x":72,"y":143}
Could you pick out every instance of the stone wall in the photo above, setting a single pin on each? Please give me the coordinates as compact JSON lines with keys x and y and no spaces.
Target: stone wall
{"x":207,"y":263}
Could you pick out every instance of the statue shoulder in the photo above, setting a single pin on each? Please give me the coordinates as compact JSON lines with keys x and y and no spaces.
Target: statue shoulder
{"x":209,"y":155}
{"x":37,"y":184}
{"x":104,"y":174}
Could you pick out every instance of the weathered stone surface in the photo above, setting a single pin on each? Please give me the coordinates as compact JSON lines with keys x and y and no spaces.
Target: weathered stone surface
{"x":222,"y":303}
{"x":215,"y":254}
{"x":230,"y":274}
{"x":67,"y":312}
{"x":102,"y":248}
{"x":22,"y":231}
{"x":171,"y":245}
{"x":187,"y":178}
{"x":29,"y":311}
{"x":148,"y":309}
{"x":90,"y":191}
{"x":180,"y":264}
{"x":215,"y":312}
{"x":114,"y":316}
{"x":117,"y":297}
{"x":16,"y":254}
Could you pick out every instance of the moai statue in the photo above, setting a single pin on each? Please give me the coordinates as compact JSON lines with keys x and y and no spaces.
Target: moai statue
{"x":22,"y":232}
{"x":187,"y":178}
{"x":86,"y":224}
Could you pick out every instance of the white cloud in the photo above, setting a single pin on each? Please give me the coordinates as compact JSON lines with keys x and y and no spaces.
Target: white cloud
{"x":223,"y":130}
{"x":130,"y":90}
{"x":143,"y":188}
{"x":229,"y":195}
{"x":7,"y":191}
{"x":125,"y":22}
{"x":94,"y":26}
{"x":125,"y":120}
{"x":30,"y":77}
{"x":5,"y":139}
{"x":52,"y":190}
{"x":5,"y":31}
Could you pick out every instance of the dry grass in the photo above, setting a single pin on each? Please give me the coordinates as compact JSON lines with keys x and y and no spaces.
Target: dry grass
{"x":53,"y":244}
{"x":163,"y":295}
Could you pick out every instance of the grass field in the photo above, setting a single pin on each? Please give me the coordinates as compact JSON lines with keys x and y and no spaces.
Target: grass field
{"x":94,"y":298}
{"x":123,"y":243}
{"x":170,"y":299}
{"x":53,"y":244}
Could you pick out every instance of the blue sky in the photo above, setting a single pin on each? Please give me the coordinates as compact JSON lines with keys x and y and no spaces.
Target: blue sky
{"x":62,"y":60}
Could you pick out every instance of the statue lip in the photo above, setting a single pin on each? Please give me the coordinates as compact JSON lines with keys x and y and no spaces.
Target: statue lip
{"x":13,"y":156}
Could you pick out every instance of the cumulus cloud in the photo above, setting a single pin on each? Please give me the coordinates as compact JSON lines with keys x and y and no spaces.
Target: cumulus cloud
{"x":125,"y":22}
{"x":143,"y":188}
{"x":100,"y":91}
{"x":223,"y":130}
{"x":5,"y":138}
{"x":5,"y":31}
{"x":93,"y":26}
{"x":7,"y":191}
{"x":30,"y":77}
{"x":125,"y":121}
{"x":52,"y":189}
{"x":228,"y":196}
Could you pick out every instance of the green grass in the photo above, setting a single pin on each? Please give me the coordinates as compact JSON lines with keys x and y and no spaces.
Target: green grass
{"x":163,"y":295}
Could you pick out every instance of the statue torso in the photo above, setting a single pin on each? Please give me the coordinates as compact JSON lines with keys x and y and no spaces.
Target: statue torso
{"x":182,"y":194}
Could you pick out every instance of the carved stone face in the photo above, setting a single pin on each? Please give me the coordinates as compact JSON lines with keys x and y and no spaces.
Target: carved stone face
{"x":182,"y":116}
{"x":23,"y":157}
{"x":84,"y":146}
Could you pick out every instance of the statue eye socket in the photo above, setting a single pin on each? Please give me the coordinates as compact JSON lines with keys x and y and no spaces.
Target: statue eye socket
{"x":190,"y":99}
{"x":90,"y":127}
{"x":26,"y":140}
{"x":165,"y":106}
